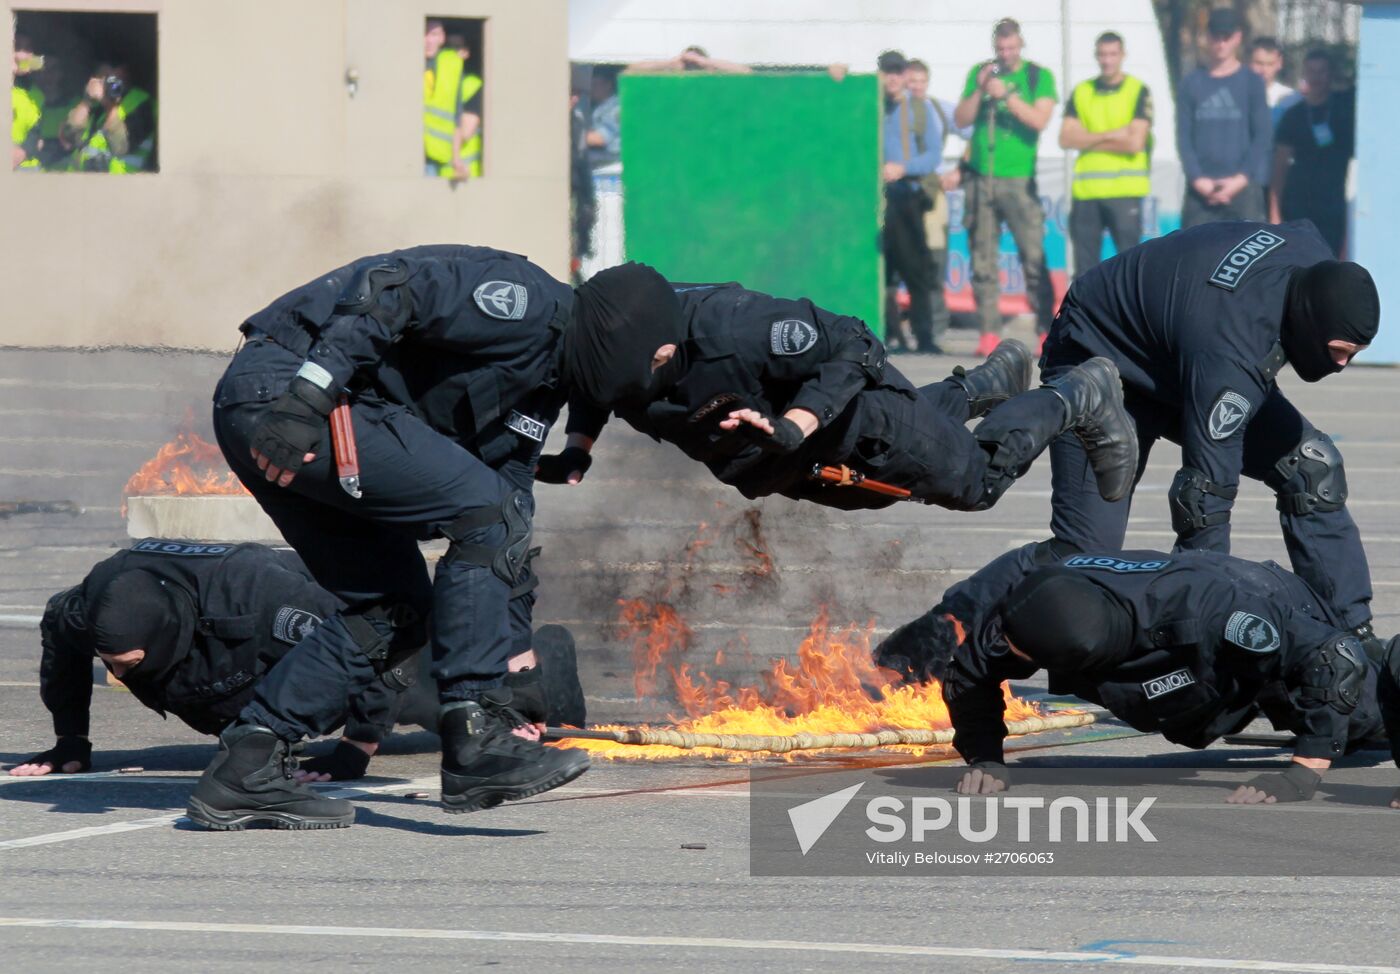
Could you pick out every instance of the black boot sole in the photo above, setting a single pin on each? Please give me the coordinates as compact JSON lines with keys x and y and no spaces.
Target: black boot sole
{"x":486,"y":795}
{"x":240,"y":819}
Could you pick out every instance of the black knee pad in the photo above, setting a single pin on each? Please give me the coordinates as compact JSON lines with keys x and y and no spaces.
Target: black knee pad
{"x":1310,"y":477}
{"x":510,"y":557}
{"x":1337,"y":676}
{"x":1186,"y":495}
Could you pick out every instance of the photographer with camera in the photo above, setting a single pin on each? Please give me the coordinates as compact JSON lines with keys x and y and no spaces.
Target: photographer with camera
{"x":1008,"y":101}
{"x":112,"y":127}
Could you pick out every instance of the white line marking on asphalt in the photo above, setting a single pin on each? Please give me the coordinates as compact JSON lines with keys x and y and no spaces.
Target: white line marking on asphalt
{"x":20,"y":620}
{"x":135,"y":825}
{"x":1031,"y":954}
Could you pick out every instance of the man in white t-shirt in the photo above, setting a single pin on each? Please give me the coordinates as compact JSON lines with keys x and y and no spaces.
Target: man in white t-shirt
{"x":1266,"y":60}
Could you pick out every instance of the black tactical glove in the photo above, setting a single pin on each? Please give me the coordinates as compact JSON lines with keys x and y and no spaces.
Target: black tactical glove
{"x":1297,"y":784}
{"x":345,"y":762}
{"x":67,"y":749}
{"x":785,"y":438}
{"x":293,"y":425}
{"x":554,"y":468}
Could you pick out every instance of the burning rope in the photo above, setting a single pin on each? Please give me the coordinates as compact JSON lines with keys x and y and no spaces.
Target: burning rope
{"x":807,"y":742}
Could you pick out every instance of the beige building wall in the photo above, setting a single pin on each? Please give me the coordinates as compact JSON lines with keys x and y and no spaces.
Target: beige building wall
{"x":272,"y":172}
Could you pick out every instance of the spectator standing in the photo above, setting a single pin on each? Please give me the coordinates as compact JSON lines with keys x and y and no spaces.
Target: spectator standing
{"x":1008,"y":101}
{"x":693,"y":58}
{"x":1223,"y":131}
{"x":1108,"y":120}
{"x":112,"y":127}
{"x":442,"y":106}
{"x":582,"y":194}
{"x":26,"y":105}
{"x":1266,"y":60}
{"x":932,"y":125}
{"x":907,"y":161}
{"x":604,"y":135}
{"x":469,"y":117}
{"x":1314,"y":146}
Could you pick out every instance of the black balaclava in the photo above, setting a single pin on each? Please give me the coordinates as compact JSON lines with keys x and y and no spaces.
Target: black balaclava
{"x":621,"y":317}
{"x":137,"y":610}
{"x":1066,"y":623}
{"x":1327,"y":301}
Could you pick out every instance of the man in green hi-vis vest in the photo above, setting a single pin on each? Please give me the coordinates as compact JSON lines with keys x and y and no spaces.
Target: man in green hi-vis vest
{"x":1008,"y":101}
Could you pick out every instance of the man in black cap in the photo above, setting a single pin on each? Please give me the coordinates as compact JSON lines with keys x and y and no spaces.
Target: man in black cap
{"x":1224,"y":130}
{"x":763,"y":389}
{"x":449,"y":359}
{"x":1199,"y":323}
{"x":1191,"y":645}
{"x":190,"y":628}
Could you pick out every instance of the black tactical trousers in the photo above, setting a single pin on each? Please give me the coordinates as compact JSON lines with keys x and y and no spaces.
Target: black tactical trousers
{"x":1121,"y":217}
{"x":415,"y":481}
{"x":916,"y":441}
{"x":907,"y":254}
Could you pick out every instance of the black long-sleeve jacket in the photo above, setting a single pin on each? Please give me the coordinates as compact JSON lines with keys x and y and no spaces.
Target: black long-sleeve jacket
{"x":748,"y":350}
{"x":1193,"y":319}
{"x":469,"y":340}
{"x":250,"y":605}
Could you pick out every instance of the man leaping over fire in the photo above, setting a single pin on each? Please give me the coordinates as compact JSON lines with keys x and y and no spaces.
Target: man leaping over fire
{"x":762,"y":390}
{"x":1191,"y":645}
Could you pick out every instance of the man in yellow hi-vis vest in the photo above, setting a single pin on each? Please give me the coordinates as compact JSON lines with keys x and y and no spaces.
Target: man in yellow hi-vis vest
{"x":469,"y":111}
{"x":1108,"y":120}
{"x":26,"y":106}
{"x":444,"y":83}
{"x":112,"y":126}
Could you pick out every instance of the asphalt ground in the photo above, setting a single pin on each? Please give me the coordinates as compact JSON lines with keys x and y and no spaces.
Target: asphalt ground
{"x":100,"y":872}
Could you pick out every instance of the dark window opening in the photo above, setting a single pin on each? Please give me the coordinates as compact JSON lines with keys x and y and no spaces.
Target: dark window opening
{"x":83,"y":92}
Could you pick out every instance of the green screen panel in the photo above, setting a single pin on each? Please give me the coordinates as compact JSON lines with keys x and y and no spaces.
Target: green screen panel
{"x":769,"y":180}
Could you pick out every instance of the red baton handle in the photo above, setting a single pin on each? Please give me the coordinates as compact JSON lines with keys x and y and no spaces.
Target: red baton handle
{"x":347,"y":461}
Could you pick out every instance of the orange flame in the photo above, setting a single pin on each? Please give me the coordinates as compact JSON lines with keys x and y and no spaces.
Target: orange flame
{"x":833,"y":688}
{"x":188,"y":464}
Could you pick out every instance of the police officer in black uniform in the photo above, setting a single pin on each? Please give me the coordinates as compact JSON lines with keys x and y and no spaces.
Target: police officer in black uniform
{"x":189,"y":628}
{"x":450,"y":360}
{"x":1190,"y":645}
{"x":763,"y":389}
{"x":1200,"y":322}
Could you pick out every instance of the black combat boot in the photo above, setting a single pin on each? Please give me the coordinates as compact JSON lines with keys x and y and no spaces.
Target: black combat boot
{"x":1094,"y":412}
{"x":484,"y":763}
{"x":1006,"y":372}
{"x":251,"y":781}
